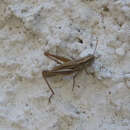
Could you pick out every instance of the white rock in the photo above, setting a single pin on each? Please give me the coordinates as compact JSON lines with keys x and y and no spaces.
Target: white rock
{"x":100,"y":99}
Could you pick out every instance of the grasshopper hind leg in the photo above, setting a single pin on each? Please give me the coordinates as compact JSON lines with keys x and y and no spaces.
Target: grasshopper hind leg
{"x":51,"y":97}
{"x":52,"y":91}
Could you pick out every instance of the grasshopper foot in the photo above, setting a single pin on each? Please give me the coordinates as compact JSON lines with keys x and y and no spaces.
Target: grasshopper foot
{"x":49,"y":101}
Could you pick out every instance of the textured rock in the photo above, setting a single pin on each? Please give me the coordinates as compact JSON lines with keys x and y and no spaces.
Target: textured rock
{"x":70,"y":28}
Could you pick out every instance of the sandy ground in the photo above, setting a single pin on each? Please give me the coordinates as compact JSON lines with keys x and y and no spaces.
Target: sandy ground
{"x":69,"y":28}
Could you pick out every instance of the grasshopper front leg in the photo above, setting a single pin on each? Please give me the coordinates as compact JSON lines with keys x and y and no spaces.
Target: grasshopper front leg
{"x":74,"y":77}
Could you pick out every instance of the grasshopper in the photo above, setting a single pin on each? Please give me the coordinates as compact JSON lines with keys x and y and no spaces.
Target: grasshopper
{"x":66,"y":66}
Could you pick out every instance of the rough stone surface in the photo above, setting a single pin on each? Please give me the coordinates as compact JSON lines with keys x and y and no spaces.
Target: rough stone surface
{"x":70,"y":28}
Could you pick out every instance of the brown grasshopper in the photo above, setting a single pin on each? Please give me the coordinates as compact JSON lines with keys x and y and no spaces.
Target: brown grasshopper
{"x":66,"y":67}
